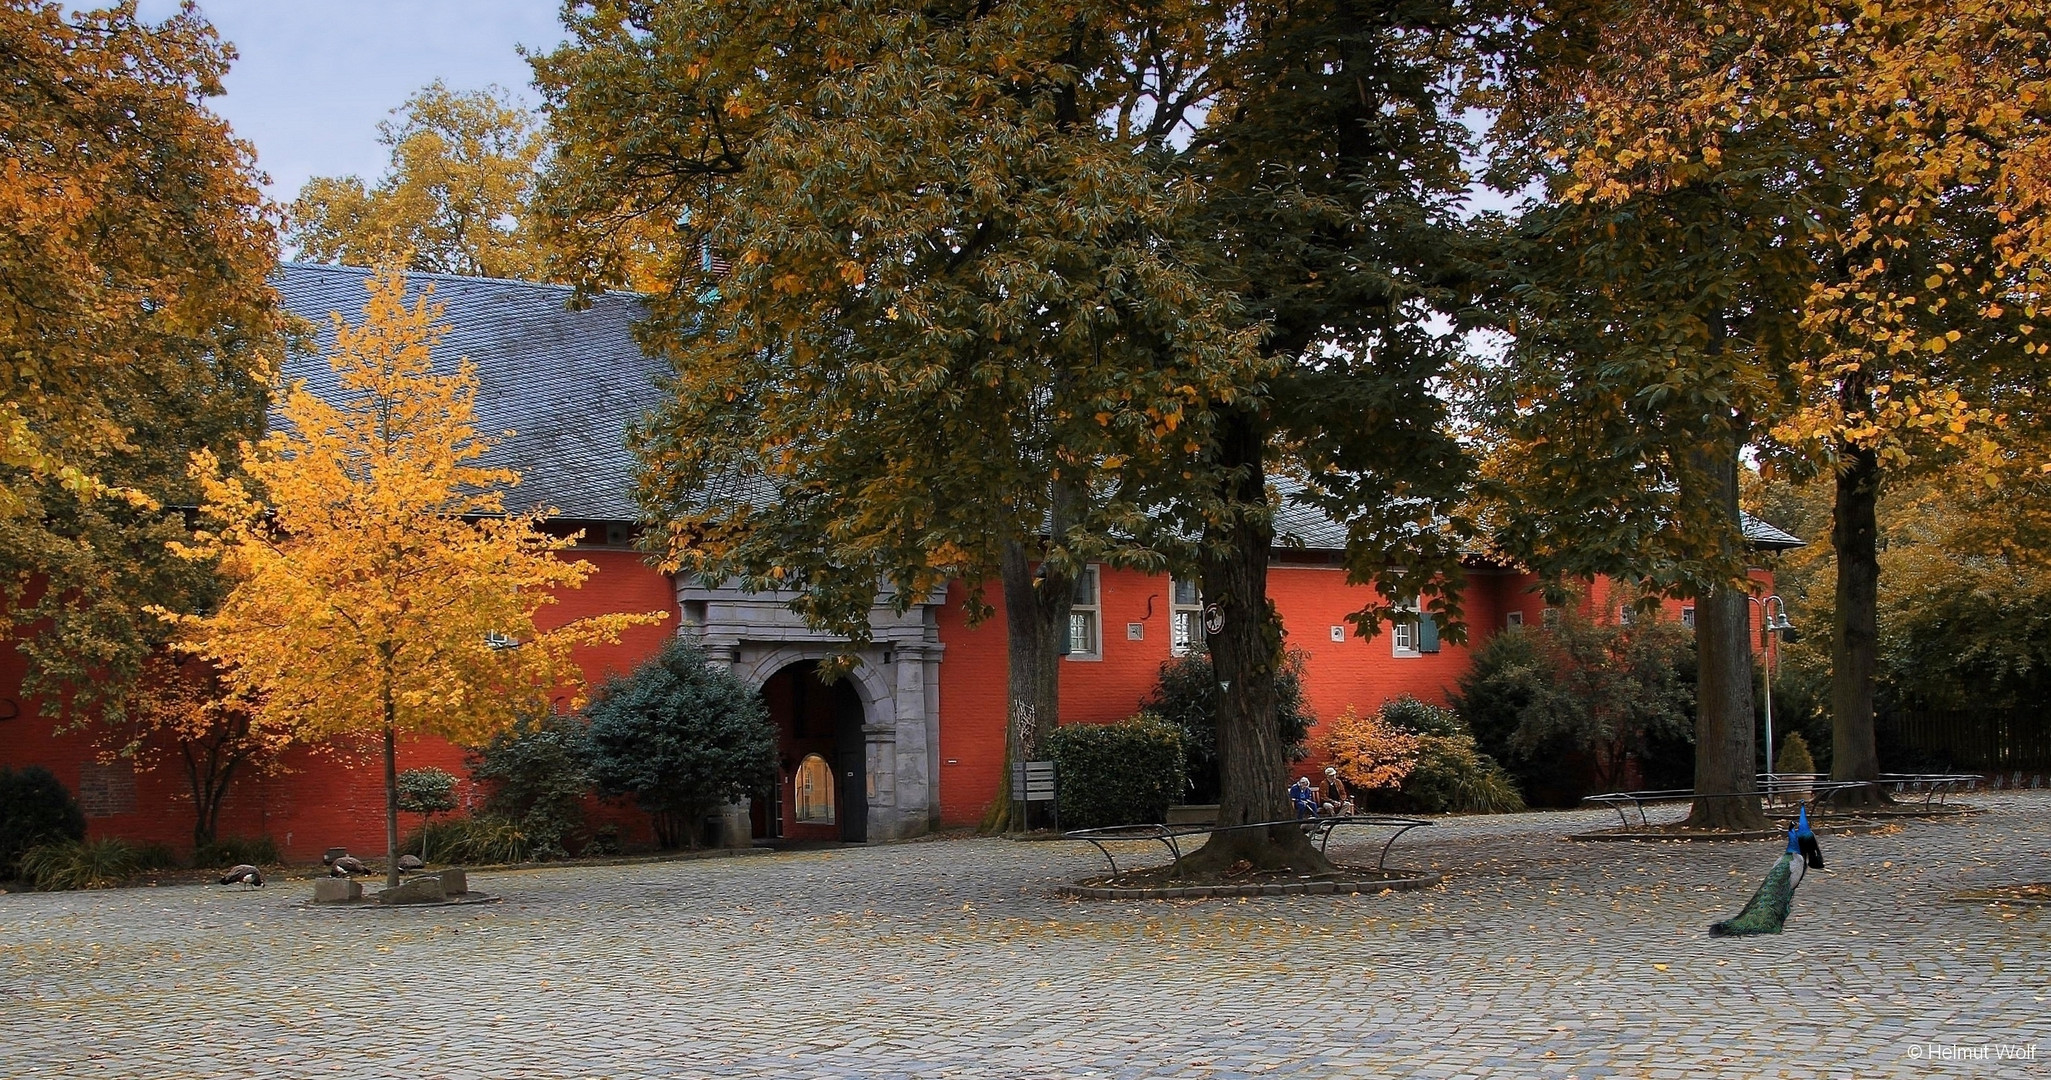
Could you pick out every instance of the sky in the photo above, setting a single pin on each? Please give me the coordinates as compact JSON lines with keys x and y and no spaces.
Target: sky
{"x":315,"y":77}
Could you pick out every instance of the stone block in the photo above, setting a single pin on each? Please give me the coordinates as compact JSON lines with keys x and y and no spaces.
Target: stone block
{"x":329,"y":890}
{"x":455,"y":881}
{"x":420,"y":890}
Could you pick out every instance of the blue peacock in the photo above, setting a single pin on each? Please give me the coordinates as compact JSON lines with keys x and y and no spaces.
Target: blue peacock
{"x":1768,"y":911}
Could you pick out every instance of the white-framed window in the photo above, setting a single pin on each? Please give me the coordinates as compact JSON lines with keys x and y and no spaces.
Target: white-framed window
{"x":1086,"y":617}
{"x":1413,"y":632}
{"x":1185,"y":616}
{"x":1624,"y":614}
{"x":1514,"y":620}
{"x":1403,"y":634}
{"x":1688,"y":616}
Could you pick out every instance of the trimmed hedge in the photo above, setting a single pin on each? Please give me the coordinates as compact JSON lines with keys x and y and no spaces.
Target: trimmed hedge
{"x":1125,"y":773}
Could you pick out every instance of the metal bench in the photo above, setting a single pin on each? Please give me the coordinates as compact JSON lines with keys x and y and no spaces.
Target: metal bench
{"x":1171,"y":836}
{"x":1816,"y":794}
{"x":1933,"y":787}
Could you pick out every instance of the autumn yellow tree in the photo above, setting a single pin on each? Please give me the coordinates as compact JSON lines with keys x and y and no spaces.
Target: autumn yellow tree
{"x":379,"y":581}
{"x":454,"y":199}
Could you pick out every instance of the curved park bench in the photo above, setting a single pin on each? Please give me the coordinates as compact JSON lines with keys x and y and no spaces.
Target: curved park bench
{"x":1171,"y":836}
{"x":1933,"y":787}
{"x":1816,"y":793}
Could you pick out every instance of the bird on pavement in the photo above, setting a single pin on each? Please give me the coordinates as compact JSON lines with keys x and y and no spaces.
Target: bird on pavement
{"x":410,"y":863}
{"x":1768,"y":911}
{"x":347,"y":866}
{"x":244,"y":873}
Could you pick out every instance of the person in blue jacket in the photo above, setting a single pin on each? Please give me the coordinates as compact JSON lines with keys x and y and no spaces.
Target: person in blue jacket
{"x":1304,"y":797}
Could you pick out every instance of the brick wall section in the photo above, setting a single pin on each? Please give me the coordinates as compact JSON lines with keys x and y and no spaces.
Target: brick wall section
{"x":327,"y":796}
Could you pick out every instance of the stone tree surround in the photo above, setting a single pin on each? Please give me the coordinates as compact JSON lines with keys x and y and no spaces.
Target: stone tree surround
{"x":897,"y":676}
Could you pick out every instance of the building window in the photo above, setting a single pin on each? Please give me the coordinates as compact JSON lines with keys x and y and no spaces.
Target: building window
{"x":1404,"y":634}
{"x":1086,"y":618}
{"x":1514,"y":620}
{"x":812,"y":791}
{"x":1624,"y":614}
{"x":1413,"y":632}
{"x":1185,"y":617}
{"x":1688,"y":616}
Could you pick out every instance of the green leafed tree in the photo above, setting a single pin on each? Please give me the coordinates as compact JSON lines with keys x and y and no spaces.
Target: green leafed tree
{"x":955,"y":290}
{"x":915,"y":288}
{"x":454,"y":200}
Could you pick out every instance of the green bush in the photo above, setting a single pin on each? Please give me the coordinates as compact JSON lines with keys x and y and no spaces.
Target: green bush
{"x":1452,"y":777}
{"x":427,"y":791}
{"x":482,"y":839}
{"x":34,"y":809}
{"x":1420,"y":718}
{"x":1125,"y":773}
{"x":682,"y":737}
{"x":235,"y":850}
{"x":1186,"y":696}
{"x":1568,"y":706}
{"x":537,"y":774}
{"x":80,"y":864}
{"x":156,"y":855}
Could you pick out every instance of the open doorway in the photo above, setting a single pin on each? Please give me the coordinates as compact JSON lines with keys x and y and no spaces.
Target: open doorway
{"x":822,"y":778}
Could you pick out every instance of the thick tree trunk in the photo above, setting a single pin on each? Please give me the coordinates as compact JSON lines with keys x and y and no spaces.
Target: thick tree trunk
{"x":1246,"y":654}
{"x":1724,"y":746}
{"x":1855,"y":647}
{"x":1036,"y":608}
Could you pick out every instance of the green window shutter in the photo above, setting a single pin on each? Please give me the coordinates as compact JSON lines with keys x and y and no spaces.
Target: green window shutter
{"x":1067,"y":636}
{"x":1427,"y":632}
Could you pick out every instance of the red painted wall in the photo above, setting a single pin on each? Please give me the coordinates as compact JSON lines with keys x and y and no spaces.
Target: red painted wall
{"x":333,"y":795}
{"x":1312,"y":599}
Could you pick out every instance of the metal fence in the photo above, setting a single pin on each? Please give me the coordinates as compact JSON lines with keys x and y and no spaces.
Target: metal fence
{"x":1964,"y":738}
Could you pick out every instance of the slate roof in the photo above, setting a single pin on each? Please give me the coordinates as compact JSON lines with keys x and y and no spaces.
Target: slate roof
{"x":566,"y":383}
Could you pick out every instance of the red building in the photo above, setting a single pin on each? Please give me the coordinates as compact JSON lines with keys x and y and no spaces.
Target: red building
{"x":912,"y":739}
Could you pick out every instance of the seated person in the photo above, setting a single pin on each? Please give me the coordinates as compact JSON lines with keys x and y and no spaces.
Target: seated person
{"x":1336,"y":799}
{"x":1303,"y":797}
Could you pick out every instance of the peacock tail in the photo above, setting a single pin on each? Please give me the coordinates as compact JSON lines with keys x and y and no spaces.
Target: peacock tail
{"x":1768,"y":911}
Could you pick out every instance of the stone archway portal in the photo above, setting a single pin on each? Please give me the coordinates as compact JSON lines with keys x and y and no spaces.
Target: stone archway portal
{"x":821,"y":759}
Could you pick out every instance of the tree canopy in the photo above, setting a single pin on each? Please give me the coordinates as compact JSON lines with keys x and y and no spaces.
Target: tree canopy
{"x":454,"y":200}
{"x":985,"y":258}
{"x":135,"y":326}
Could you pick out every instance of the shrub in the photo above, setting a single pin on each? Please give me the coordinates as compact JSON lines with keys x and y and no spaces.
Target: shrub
{"x":1567,"y":705}
{"x":537,"y":773}
{"x":235,"y":850}
{"x":1369,"y":752}
{"x":1420,"y":718}
{"x":682,"y":737}
{"x":482,"y":839}
{"x":1186,"y":695}
{"x":79,"y":864}
{"x":1125,"y":773}
{"x":156,"y":855}
{"x":1453,"y":777}
{"x":34,"y":809}
{"x":426,"y":791}
{"x":1794,"y":755}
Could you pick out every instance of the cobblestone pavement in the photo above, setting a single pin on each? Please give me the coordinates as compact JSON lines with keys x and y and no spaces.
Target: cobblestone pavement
{"x":1537,"y":958}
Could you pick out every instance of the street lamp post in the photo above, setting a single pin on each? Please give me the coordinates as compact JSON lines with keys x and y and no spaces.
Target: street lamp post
{"x":1773,"y":625}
